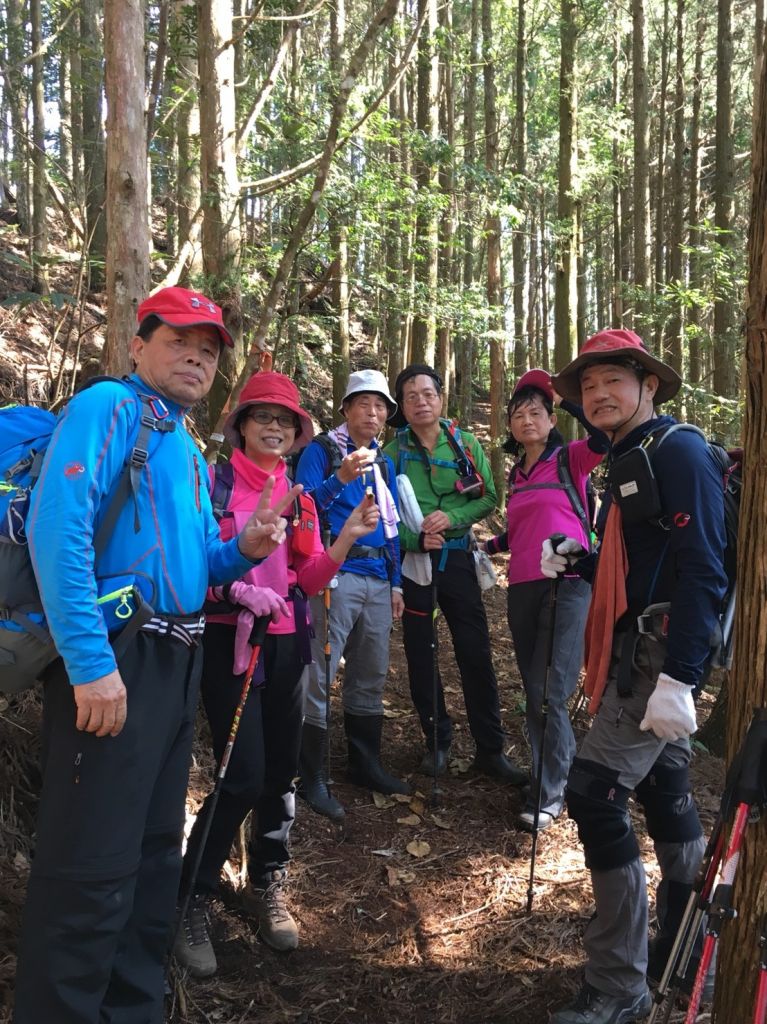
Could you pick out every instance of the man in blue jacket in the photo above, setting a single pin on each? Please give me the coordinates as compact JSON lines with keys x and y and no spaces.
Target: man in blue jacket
{"x":337,"y":469}
{"x":656,"y":599}
{"x":117,"y":732}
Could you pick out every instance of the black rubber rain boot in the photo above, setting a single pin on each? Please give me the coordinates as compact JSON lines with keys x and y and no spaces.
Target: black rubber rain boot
{"x":313,"y":783}
{"x":363,"y":733}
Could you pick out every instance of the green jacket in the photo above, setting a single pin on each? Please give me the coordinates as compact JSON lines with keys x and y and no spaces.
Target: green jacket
{"x":436,"y":489}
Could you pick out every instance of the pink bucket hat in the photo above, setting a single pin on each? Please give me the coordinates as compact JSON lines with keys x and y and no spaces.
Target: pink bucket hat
{"x":270,"y":388}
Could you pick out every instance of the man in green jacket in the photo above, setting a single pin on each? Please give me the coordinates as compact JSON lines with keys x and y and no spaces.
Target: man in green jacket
{"x":453,"y":486}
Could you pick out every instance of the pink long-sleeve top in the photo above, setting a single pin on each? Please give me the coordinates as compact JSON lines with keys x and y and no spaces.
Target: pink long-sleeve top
{"x":284,"y":567}
{"x":534,"y":515}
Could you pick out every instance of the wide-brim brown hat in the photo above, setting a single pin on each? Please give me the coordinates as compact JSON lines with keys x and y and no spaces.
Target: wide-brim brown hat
{"x":610,"y":346}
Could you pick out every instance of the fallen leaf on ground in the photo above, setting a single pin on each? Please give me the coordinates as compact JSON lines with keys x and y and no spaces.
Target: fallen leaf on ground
{"x":417,"y":806}
{"x":418,"y":848}
{"x":398,"y":876}
{"x":388,"y":852}
{"x":382,"y":801}
{"x":440,"y":822}
{"x":409,"y":819}
{"x":401,"y":798}
{"x":459,"y":765}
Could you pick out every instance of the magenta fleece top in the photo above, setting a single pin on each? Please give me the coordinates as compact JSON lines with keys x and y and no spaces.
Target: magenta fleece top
{"x":284,"y":567}
{"x":533,"y":516}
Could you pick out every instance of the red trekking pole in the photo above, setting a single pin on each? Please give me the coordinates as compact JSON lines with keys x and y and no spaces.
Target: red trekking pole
{"x":257,"y":636}
{"x":760,"y":1006}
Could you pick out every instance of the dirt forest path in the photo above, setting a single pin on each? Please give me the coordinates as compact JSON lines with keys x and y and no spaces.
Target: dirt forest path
{"x":437,"y":932}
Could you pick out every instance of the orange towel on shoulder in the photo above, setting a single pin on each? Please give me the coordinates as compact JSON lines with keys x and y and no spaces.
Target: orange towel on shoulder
{"x":608,"y":603}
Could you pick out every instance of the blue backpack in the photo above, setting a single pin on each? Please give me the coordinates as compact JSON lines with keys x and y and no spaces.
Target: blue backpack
{"x":26,"y":646}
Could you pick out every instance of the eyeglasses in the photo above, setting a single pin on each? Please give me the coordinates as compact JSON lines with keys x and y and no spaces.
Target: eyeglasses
{"x":284,"y":419}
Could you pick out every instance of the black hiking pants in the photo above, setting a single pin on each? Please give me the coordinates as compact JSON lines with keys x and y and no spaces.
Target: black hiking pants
{"x":264,"y":761}
{"x":459,"y":597}
{"x":102,"y":891}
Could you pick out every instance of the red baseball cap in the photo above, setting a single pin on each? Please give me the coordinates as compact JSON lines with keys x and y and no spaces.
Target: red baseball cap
{"x":180,"y":307}
{"x":270,"y":388}
{"x":613,"y":345}
{"x":538,"y":379}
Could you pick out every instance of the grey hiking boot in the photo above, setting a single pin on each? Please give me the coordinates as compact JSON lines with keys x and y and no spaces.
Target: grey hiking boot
{"x":594,"y":1007}
{"x":275,"y":923}
{"x":192,"y":947}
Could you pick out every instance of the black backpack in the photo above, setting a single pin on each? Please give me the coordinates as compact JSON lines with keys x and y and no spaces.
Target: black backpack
{"x":633,"y":485}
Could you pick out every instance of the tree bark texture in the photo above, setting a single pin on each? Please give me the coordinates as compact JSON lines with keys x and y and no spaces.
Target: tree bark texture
{"x":641,"y":167}
{"x":737,"y":972}
{"x":128,"y":241}
{"x":565,"y":292}
{"x":39,"y":187}
{"x":94,"y":145}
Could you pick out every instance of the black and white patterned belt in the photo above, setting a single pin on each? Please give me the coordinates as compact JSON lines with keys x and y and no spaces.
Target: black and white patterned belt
{"x":186,"y":628}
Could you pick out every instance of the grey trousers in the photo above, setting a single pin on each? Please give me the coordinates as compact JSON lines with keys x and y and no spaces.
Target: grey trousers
{"x":360,"y":628}
{"x":529,"y":606}
{"x":615,"y":940}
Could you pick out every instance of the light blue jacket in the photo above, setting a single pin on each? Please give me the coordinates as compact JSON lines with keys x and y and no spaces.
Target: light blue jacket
{"x":173,"y":556}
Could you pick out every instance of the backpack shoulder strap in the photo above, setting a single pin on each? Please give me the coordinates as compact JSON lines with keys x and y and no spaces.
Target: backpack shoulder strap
{"x":566,"y":479}
{"x":154,"y":416}
{"x":330,"y":448}
{"x":223,"y":485}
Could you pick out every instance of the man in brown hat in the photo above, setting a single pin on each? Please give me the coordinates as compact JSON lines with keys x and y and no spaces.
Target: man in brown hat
{"x":657,"y":595}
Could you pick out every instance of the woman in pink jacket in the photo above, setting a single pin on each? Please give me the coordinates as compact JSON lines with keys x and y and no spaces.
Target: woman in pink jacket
{"x":541,"y":504}
{"x":267,"y":425}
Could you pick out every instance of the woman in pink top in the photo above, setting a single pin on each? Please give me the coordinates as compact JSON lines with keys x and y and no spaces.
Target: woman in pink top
{"x":267,"y":424}
{"x":541,"y":503}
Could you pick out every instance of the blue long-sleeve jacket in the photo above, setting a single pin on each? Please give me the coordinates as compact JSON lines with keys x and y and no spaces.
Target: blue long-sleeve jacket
{"x":172,"y":557}
{"x":335,"y":501}
{"x":683,"y":564}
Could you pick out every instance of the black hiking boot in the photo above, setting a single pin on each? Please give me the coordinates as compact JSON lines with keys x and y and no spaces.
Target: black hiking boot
{"x":313,"y":784}
{"x":363,"y":733}
{"x":498,"y":766}
{"x":426,"y":767}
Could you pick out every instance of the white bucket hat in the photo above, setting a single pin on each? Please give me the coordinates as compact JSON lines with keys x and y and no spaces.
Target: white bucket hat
{"x":369,"y":381}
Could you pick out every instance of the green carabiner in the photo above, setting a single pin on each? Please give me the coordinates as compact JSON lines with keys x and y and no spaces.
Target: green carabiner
{"x":123,"y":610}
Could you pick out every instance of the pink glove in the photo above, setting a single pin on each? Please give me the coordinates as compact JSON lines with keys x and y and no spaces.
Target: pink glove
{"x":259,"y":600}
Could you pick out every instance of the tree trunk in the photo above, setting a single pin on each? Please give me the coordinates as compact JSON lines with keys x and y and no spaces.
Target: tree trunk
{"x":16,"y":85}
{"x":128,"y":242}
{"x":426,"y":232}
{"x":694,"y":237}
{"x":65,"y":110}
{"x":494,"y":269}
{"x":641,"y":168}
{"x":94,"y":147}
{"x":520,"y":161}
{"x":737,"y":973}
{"x":39,"y":185}
{"x":618,"y":211}
{"x":188,"y":186}
{"x":565,"y":292}
{"x":673,"y":333}
{"x":339,"y":234}
{"x":724,"y":214}
{"x":466,"y":341}
{"x":220,"y":185}
{"x":446,"y":281}
{"x":659,"y":235}
{"x":76,"y":116}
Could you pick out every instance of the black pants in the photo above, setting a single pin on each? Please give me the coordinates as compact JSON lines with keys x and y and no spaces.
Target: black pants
{"x":102,"y":891}
{"x":264,"y":760}
{"x":460,"y":599}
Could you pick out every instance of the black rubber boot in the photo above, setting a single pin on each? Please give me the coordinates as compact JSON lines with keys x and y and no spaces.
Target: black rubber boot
{"x":313,"y":783}
{"x":363,"y":733}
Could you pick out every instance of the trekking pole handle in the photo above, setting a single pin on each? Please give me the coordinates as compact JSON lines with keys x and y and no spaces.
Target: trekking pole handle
{"x":555,"y":540}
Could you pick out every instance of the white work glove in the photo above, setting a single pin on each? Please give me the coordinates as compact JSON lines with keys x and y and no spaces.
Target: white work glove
{"x":554,"y":563}
{"x":670,"y":711}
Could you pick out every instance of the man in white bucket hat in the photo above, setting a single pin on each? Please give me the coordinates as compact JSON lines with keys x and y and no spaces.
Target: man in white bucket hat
{"x":338,"y":469}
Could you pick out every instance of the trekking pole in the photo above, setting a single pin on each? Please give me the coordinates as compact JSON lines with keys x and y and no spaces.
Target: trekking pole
{"x":760,"y":1003}
{"x":436,"y":792}
{"x":749,"y":789}
{"x":257,"y":637}
{"x":692,"y":919}
{"x":326,"y":594}
{"x":555,"y":540}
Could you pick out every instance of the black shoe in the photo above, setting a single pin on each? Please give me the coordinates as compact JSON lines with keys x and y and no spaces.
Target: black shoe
{"x":312,"y":785}
{"x":595,"y":1007}
{"x":426,"y":767}
{"x":363,"y":733}
{"x":498,"y":766}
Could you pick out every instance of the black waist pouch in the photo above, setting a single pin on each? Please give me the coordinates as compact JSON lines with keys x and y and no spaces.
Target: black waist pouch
{"x":633,"y":485}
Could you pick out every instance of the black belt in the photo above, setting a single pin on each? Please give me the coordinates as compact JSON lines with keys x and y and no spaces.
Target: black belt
{"x":361,"y":551}
{"x":185,"y":628}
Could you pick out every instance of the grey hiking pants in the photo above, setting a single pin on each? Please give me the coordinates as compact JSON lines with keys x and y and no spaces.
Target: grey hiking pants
{"x":615,"y":940}
{"x":529,"y":613}
{"x":360,"y":629}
